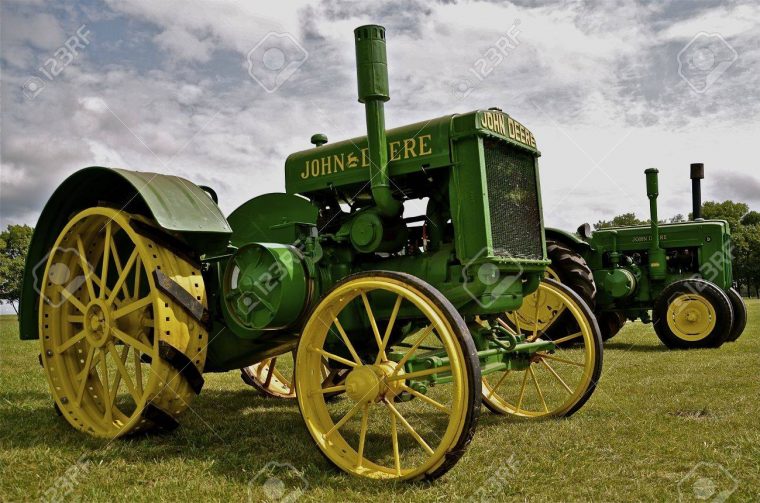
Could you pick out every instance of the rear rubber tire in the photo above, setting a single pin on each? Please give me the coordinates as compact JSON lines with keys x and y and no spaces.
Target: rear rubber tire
{"x":610,"y":323}
{"x":572,"y":270}
{"x":700,"y":292}
{"x":740,"y":314}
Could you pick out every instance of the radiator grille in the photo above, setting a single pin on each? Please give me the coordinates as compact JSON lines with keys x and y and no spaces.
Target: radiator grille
{"x":513,"y":201}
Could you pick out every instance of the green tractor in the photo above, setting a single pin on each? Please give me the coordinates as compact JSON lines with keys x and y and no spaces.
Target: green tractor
{"x":401,"y":325}
{"x":681,"y":272}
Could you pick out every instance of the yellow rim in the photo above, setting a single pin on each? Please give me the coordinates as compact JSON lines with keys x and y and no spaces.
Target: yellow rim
{"x":371,"y":432}
{"x":101,"y":318}
{"x":273,"y":377}
{"x":554,"y":382}
{"x":691,"y":317}
{"x":551,"y":274}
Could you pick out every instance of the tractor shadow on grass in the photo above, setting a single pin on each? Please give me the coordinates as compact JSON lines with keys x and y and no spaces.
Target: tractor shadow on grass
{"x":236,"y":433}
{"x":636,"y":347}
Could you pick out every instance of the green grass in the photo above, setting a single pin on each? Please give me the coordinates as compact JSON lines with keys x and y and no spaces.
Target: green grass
{"x":656,"y":415}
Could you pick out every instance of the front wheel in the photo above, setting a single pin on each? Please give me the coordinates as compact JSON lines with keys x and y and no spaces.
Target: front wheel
{"x":555,"y":383}
{"x":413,"y":383}
{"x":692,"y":313}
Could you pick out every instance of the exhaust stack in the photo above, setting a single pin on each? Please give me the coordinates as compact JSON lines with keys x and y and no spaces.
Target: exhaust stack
{"x":372,"y":80}
{"x":697,"y":174}
{"x":657,"y":259}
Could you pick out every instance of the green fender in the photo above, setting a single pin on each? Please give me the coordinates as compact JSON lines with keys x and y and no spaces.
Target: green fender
{"x":177,"y":205}
{"x":571,"y":239}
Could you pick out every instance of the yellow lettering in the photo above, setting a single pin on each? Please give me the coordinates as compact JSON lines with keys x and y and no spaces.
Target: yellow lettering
{"x":339,"y":162}
{"x":305,"y":173}
{"x":394,"y":148}
{"x":409,"y":148}
{"x":315,"y":167}
{"x":365,"y":157}
{"x":511,"y":128}
{"x":353,"y":161}
{"x":425,"y":148}
{"x":326,"y":165}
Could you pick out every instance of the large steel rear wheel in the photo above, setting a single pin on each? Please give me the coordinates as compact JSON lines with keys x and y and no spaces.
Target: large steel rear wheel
{"x":119,"y":352}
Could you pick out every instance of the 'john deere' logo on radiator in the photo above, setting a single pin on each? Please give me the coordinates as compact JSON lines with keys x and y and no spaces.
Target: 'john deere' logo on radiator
{"x":504,"y":125}
{"x":408,"y":148}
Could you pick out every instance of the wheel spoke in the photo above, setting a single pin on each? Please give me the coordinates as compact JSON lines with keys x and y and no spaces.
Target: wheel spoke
{"x":346,"y":340}
{"x":71,"y":341}
{"x":562,"y":360}
{"x":132,"y":306}
{"x":120,"y":283}
{"x":85,"y":373}
{"x":522,"y":391}
{"x":132,"y":341}
{"x":138,"y":370}
{"x":409,"y":428}
{"x":419,"y":373}
{"x":394,"y":439}
{"x":373,"y":324}
{"x":138,"y":273}
{"x":86,"y":269}
{"x":107,"y":400}
{"x":567,"y":338}
{"x":69,"y":296}
{"x":556,"y":375}
{"x":106,"y":260}
{"x":388,"y":330}
{"x":270,"y":372}
{"x":498,"y":383}
{"x":426,"y":399}
{"x":362,"y":435}
{"x":334,"y":389}
{"x":120,"y":365}
{"x":333,"y":357}
{"x":538,"y":388}
{"x":400,"y":365}
{"x":351,"y":413}
{"x":535,"y":317}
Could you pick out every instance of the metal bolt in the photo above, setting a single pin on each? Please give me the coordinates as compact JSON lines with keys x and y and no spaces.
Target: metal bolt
{"x":48,"y":353}
{"x":64,"y":400}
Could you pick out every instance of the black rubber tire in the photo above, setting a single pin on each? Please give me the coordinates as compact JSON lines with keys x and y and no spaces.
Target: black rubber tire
{"x":471,"y":360}
{"x":572,"y":270}
{"x":713,"y":294}
{"x":610,"y":323}
{"x":740,"y":314}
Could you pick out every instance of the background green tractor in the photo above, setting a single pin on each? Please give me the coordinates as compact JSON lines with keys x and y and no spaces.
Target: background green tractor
{"x":681,"y":272}
{"x":136,"y":285}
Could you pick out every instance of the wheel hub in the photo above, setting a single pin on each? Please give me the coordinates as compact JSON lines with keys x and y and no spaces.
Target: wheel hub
{"x":691,"y":316}
{"x":368,"y":383}
{"x":97,"y":323}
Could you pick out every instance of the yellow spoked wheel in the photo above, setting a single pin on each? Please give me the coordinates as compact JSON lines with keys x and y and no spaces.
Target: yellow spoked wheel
{"x":693,"y":313}
{"x":117,"y":349}
{"x":395,"y":423}
{"x":273,"y":377}
{"x":552,"y":383}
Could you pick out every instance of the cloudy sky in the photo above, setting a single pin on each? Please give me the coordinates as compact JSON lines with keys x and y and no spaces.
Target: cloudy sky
{"x":608,"y":91}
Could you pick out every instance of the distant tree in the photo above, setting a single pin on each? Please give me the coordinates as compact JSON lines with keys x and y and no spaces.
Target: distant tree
{"x":14,"y":243}
{"x":727,"y":210}
{"x":751,"y":218}
{"x":676,"y":219}
{"x":624,"y":220}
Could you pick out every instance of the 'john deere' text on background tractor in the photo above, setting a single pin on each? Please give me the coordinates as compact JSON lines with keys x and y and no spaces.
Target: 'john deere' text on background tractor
{"x":681,"y":272}
{"x":136,"y":284}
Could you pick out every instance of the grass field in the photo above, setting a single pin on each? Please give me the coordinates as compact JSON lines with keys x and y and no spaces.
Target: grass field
{"x":662,"y":424}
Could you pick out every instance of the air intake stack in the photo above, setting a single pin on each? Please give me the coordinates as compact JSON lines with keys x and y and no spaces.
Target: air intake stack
{"x":372,"y":80}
